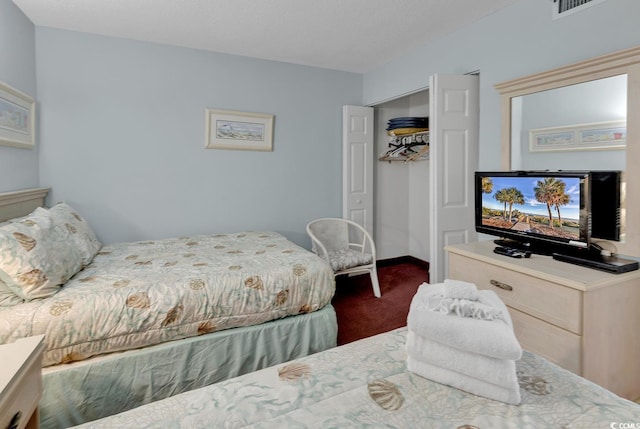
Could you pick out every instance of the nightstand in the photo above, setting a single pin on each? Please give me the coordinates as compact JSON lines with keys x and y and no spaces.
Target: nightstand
{"x":21,"y":382}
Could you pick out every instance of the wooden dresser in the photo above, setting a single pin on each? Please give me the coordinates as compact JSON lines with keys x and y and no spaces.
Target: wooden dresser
{"x":584,"y":320}
{"x":21,"y":383}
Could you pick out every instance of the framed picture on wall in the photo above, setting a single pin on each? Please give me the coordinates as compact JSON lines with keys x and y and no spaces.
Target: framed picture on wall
{"x":17,"y":118}
{"x":231,"y":129}
{"x":595,"y":136}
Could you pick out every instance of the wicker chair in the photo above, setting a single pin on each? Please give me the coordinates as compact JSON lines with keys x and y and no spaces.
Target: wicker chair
{"x":346,"y":246}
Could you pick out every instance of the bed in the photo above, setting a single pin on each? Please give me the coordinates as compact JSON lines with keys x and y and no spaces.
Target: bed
{"x":367,"y":384}
{"x":142,"y":321}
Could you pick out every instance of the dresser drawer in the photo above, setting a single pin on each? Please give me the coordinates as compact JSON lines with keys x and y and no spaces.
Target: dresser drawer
{"x":551,"y":302}
{"x":555,"y":344}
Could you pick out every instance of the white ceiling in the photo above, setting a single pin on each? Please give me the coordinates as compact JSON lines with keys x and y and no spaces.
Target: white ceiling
{"x":349,"y":35}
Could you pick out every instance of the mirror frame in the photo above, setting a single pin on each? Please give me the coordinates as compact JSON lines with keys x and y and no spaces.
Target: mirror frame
{"x":622,"y":62}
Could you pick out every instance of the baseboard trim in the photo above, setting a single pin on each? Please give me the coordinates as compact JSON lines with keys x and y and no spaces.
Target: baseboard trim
{"x":402,"y":260}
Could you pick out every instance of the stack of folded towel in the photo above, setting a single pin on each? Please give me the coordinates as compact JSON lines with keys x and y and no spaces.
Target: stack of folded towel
{"x":463,"y":337}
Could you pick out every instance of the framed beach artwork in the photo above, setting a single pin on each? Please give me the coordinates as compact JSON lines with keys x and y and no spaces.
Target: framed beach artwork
{"x":230,"y":129}
{"x":595,"y":136}
{"x":17,"y":118}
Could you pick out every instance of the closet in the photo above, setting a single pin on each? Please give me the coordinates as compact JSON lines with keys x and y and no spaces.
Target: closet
{"x":415,"y":207}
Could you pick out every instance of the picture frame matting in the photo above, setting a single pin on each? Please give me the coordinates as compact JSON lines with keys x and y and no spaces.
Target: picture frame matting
{"x":236,"y":130}
{"x":17,"y":118}
{"x":595,"y":136}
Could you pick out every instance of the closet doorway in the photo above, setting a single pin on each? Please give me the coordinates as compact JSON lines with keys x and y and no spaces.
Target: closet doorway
{"x":422,"y":206}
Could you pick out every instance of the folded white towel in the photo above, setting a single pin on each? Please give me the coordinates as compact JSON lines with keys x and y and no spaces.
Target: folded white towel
{"x":501,"y":372}
{"x":463,"y":382}
{"x":493,"y":338}
{"x":464,"y":308}
{"x":460,"y":289}
{"x":461,"y":298}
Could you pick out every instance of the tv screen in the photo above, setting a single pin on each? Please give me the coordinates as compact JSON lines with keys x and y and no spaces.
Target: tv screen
{"x":536,"y":209}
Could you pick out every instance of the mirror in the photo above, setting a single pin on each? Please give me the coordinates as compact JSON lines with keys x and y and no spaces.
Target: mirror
{"x":540,"y":131}
{"x":576,"y":127}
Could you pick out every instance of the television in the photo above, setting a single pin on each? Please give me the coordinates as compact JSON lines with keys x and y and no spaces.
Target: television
{"x":548,"y":212}
{"x":606,"y":203}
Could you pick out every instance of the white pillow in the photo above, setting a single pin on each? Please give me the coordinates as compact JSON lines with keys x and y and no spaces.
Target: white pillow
{"x":36,"y":256}
{"x":7,"y":297}
{"x":77,"y":230}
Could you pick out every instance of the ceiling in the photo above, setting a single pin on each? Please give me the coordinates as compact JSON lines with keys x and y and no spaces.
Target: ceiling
{"x":348,"y":35}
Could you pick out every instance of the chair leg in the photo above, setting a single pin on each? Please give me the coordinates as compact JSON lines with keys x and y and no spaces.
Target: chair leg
{"x":374,"y":282}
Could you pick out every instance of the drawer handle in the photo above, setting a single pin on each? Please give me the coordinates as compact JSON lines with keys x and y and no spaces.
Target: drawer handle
{"x":15,"y":421}
{"x":501,"y":285}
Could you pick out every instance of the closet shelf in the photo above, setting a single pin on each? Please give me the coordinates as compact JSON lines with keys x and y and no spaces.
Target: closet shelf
{"x":408,"y":147}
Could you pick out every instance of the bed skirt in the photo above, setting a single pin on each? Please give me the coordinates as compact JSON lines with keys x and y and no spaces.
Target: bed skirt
{"x":88,"y":390}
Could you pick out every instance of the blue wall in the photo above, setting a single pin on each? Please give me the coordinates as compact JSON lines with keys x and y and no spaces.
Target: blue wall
{"x":123,"y":132}
{"x":516,"y":41}
{"x":18,"y":167}
{"x":122,"y":122}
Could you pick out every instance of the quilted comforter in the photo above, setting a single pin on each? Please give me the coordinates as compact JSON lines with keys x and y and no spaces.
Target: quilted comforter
{"x":133,"y":295}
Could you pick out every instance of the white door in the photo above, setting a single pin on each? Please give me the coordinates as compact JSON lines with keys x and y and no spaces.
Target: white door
{"x":453,"y":147}
{"x":357,"y":165}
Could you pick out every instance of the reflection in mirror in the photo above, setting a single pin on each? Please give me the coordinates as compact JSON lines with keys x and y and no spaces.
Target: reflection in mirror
{"x":623,"y":65}
{"x":557,"y":113}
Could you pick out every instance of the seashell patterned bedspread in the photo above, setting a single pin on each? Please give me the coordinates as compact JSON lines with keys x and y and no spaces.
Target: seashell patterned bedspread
{"x":366,"y":384}
{"x":137,"y":294}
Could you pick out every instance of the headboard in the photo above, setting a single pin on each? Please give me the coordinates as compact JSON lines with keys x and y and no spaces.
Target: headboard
{"x":21,"y":203}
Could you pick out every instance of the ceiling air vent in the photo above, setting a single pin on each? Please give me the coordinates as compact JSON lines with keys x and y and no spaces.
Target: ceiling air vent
{"x":563,"y":8}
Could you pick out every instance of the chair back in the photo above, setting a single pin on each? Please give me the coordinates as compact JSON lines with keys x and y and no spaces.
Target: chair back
{"x":332,"y":233}
{"x":346,"y":246}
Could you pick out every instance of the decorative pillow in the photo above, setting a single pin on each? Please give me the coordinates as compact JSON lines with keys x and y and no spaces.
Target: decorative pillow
{"x":78,"y":231}
{"x":7,"y":297}
{"x":35,"y":257}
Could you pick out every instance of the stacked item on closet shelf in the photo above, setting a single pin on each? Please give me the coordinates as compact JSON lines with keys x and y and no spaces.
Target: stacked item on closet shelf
{"x":463,"y":337}
{"x":407,"y":125}
{"x":409,"y":138}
